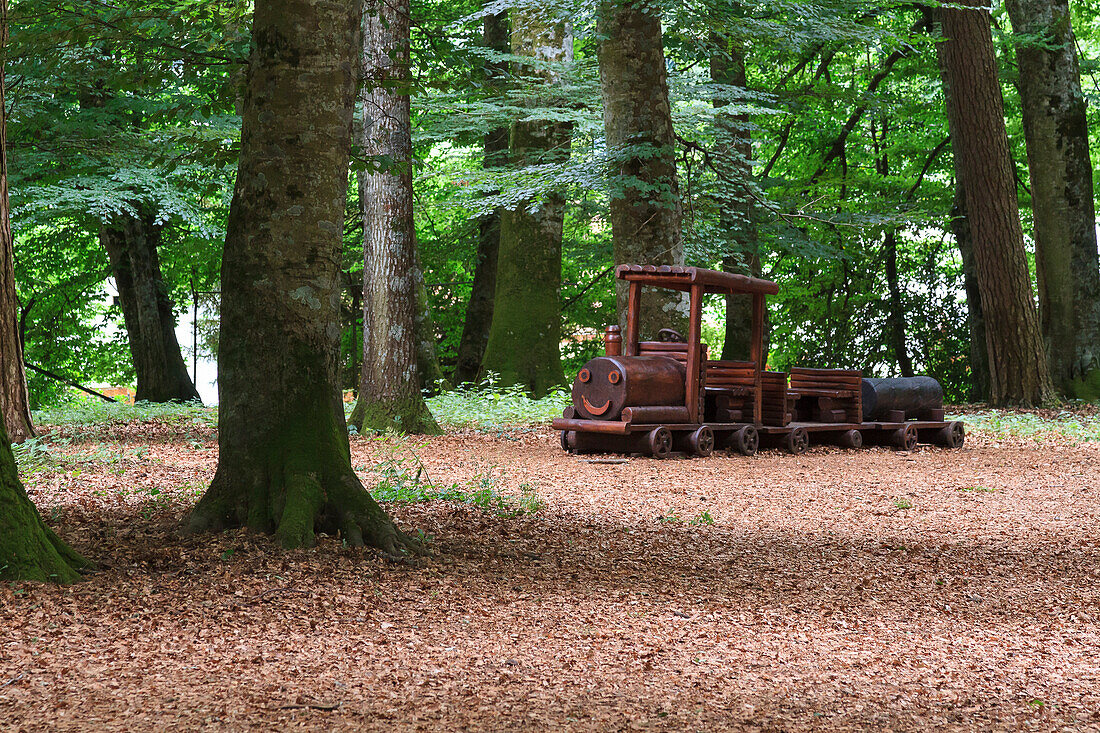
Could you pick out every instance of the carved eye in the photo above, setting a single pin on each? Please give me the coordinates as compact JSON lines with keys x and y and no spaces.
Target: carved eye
{"x":584,"y":375}
{"x":614,"y":377}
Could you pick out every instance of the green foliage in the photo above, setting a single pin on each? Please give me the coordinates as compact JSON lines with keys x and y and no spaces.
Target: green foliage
{"x":86,"y":410}
{"x":1074,"y":426}
{"x":488,"y":406}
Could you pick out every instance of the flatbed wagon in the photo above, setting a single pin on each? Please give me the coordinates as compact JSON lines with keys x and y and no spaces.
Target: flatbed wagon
{"x":664,"y":397}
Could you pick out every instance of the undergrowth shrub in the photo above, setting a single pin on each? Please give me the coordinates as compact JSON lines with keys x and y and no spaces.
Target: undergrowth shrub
{"x":92,"y":411}
{"x":489,"y":406}
{"x":1002,"y":424}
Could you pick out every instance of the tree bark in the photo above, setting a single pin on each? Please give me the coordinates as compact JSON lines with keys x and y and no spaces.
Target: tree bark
{"x":131,"y":243}
{"x":637,"y":121}
{"x":979,"y":354}
{"x":29,"y":550}
{"x":284,"y":462}
{"x":975,"y":113}
{"x":896,"y":307}
{"x":733,"y":158}
{"x":524,"y":346}
{"x":389,"y":387}
{"x":479,"y":310}
{"x":15,"y":411}
{"x":1056,"y":131}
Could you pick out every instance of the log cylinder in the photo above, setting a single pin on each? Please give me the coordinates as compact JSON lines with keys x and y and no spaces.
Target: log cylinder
{"x":913,"y":396}
{"x":607,"y":384}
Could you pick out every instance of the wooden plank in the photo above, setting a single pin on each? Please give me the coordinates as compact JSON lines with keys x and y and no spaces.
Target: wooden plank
{"x":611,"y":427}
{"x":633,"y":305}
{"x":838,"y":372}
{"x":695,"y":317}
{"x":756,"y":352}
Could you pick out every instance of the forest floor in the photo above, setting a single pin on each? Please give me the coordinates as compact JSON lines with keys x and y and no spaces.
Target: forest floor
{"x":837,"y":590}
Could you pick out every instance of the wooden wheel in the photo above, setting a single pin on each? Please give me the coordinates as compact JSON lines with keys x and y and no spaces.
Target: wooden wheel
{"x":852,"y":439}
{"x":954,"y":435}
{"x":660,"y":442}
{"x":745,"y":441}
{"x":568,"y":442}
{"x":701,"y":442}
{"x":905,"y":438}
{"x":797,"y":441}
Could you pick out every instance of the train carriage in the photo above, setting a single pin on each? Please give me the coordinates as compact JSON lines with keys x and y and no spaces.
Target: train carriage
{"x":666,"y":396}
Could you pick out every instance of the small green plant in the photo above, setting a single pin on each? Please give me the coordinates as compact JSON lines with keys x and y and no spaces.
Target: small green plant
{"x":983,"y":489}
{"x":670,"y":517}
{"x":490,"y":406}
{"x":1002,"y":424}
{"x":903,"y":504}
{"x":32,"y":455}
{"x":93,"y":411}
{"x":703,"y":519}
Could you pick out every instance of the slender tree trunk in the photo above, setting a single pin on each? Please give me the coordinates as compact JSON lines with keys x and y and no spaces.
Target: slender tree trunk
{"x":979,"y":354}
{"x":975,"y":113}
{"x":1056,"y":130}
{"x":896,"y":308}
{"x":14,"y":403}
{"x":733,"y":158}
{"x":29,"y":550}
{"x":479,"y":310}
{"x":284,"y":462}
{"x":524,"y":344}
{"x":637,"y":122}
{"x":427,"y":354}
{"x":389,"y":388}
{"x":131,"y":243}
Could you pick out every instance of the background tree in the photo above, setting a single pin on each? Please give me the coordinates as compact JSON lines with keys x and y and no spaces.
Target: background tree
{"x":975,"y":112}
{"x":645,"y":206}
{"x":390,"y":386}
{"x":525,"y":336}
{"x":1056,"y":129}
{"x":284,"y":460}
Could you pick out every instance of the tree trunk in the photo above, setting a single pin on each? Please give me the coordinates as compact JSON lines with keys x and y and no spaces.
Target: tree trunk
{"x":479,"y":310}
{"x":427,"y":354}
{"x":29,"y":550}
{"x":975,"y":113}
{"x":733,"y":159}
{"x":979,"y":354}
{"x":524,"y":345}
{"x":1056,"y":130}
{"x":389,"y":388}
{"x":637,"y":122}
{"x":15,"y":411}
{"x":284,"y":462}
{"x":131,"y":243}
{"x":896,"y":308}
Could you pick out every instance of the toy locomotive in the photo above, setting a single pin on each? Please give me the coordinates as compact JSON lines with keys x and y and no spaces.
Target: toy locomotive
{"x":666,"y":396}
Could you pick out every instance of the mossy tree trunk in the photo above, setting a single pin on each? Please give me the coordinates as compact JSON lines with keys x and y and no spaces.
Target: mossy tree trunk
{"x":1056,"y":130}
{"x":131,"y":243}
{"x":737,"y":221}
{"x":637,"y":121}
{"x":479,"y":309}
{"x":524,"y":345}
{"x":29,"y":550}
{"x":975,"y":113}
{"x":284,"y":463}
{"x":390,"y":383}
{"x":15,"y":410}
{"x":975,"y":319}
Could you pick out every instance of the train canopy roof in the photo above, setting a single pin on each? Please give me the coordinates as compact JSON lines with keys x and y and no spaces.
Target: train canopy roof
{"x":683,"y":278}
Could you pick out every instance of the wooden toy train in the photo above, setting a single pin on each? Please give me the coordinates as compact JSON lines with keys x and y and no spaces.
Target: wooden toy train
{"x":666,"y":396}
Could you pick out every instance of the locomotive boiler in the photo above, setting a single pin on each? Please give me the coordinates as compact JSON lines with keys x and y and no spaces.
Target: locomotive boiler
{"x":664,"y":396}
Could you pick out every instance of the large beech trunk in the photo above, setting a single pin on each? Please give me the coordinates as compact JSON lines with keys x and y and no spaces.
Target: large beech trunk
{"x":389,"y":388}
{"x":1055,"y":127}
{"x":975,"y":113}
{"x":637,"y":122}
{"x":525,"y":336}
{"x":733,"y":160}
{"x":284,"y":463}
{"x":131,"y":243}
{"x":14,"y":404}
{"x":479,"y":309}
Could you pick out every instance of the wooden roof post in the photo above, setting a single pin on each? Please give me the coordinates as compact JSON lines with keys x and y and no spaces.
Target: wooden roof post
{"x":691,"y":398}
{"x":633,"y":309}
{"x":756,"y":353}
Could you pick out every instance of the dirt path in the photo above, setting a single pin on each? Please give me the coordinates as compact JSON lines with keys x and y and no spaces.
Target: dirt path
{"x":830,"y":591}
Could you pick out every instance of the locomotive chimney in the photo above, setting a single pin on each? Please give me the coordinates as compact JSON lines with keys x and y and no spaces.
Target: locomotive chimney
{"x":613,"y":341}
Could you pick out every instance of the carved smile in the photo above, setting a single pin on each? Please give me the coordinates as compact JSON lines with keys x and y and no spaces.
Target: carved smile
{"x":595,"y":410}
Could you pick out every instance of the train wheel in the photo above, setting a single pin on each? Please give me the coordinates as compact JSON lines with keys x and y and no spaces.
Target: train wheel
{"x":905,"y":438}
{"x":852,"y":439}
{"x":568,"y":442}
{"x":660,"y":442}
{"x":746,"y":441}
{"x":954,"y":435}
{"x":797,"y":441}
{"x":701,"y":442}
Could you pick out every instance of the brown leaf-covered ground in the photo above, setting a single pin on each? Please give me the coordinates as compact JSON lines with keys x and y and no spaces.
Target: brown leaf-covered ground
{"x":948,"y":590}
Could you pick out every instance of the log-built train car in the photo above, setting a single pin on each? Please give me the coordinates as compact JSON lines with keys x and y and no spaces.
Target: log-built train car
{"x":666,"y":396}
